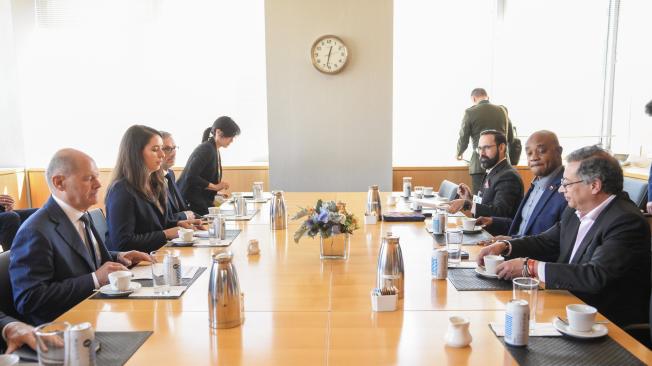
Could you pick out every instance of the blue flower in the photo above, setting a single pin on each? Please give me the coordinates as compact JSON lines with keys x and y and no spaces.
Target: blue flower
{"x":323,"y":216}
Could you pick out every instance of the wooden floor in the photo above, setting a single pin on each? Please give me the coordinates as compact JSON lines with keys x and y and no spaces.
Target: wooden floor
{"x":301,"y":310}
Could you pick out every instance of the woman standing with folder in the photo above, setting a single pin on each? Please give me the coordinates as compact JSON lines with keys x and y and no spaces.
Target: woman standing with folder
{"x":201,"y":179}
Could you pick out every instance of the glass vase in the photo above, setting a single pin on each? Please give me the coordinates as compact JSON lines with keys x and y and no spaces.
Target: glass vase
{"x":334,"y":247}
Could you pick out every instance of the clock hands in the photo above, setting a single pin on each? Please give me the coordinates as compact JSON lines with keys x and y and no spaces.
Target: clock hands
{"x":329,"y":56}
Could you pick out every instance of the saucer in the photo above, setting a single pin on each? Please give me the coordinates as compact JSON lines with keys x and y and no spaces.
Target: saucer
{"x":109,"y":290}
{"x":481,"y":271}
{"x":599,"y":330}
{"x":477,"y":229}
{"x":182,"y":243}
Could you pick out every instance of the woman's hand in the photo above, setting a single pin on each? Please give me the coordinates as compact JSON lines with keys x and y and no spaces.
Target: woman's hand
{"x":190,"y":224}
{"x":219,"y":186}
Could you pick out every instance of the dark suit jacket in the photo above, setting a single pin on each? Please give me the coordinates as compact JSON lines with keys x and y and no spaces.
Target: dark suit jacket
{"x":480,"y":117}
{"x":546,"y":213}
{"x":176,"y":203}
{"x":502,"y":192}
{"x":611,"y":268}
{"x":50,"y":266}
{"x":203,"y":167}
{"x":134,"y":222}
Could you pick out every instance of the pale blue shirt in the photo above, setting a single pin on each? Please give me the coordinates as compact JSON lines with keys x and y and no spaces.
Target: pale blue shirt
{"x":540,"y":186}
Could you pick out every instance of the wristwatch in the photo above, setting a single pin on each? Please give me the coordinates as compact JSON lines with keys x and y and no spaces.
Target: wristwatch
{"x":508,"y":248}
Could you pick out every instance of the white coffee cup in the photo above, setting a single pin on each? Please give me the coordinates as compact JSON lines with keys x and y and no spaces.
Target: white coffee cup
{"x":427,"y":191}
{"x":186,"y":234}
{"x":581,"y":317}
{"x":213,"y":210}
{"x":468,"y":223}
{"x":120,"y":280}
{"x":491,"y":262}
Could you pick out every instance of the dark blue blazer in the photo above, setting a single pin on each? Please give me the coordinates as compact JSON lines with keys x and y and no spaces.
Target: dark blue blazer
{"x":50,"y":267}
{"x":546,"y":213}
{"x":176,"y":203}
{"x":134,"y":222}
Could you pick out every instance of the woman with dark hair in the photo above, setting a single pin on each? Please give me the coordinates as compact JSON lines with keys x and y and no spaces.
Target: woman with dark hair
{"x":136,"y":201}
{"x":201,"y":179}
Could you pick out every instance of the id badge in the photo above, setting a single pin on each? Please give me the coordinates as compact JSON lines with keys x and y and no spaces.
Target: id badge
{"x":477,"y":198}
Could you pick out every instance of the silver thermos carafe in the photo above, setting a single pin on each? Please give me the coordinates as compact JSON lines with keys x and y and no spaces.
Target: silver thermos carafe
{"x":277,"y":215}
{"x":224,"y":308}
{"x":239,"y":204}
{"x":373,"y":202}
{"x":391,"y":272}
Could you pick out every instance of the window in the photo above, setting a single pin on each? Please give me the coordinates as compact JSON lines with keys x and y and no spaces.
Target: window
{"x":88,"y":69}
{"x":542,"y":59}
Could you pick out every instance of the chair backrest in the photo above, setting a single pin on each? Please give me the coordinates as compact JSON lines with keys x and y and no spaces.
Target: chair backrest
{"x":99,"y":221}
{"x":448,"y":189}
{"x":637,"y":191}
{"x":6,"y":296}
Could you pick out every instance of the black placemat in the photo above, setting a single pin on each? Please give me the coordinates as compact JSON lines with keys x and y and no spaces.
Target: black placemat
{"x":116,"y":348}
{"x":466,"y":279}
{"x":150,"y":283}
{"x":231,"y":234}
{"x":468,"y":239}
{"x":555,"y":351}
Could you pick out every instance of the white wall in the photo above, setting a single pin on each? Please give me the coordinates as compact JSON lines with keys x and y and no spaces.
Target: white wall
{"x":89,"y":70}
{"x":12,"y":153}
{"x":329,"y":132}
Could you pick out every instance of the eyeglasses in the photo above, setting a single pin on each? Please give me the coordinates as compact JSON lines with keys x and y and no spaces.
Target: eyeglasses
{"x":169,"y":149}
{"x":565,"y":183}
{"x":480,"y":149}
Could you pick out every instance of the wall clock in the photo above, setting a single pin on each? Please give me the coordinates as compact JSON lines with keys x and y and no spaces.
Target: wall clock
{"x":329,"y":54}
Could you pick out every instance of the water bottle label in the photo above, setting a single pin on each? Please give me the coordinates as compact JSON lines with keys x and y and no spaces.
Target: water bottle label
{"x":434,"y":265}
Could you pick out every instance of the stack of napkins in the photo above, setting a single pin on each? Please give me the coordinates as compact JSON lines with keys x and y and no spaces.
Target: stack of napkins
{"x":540,"y":330}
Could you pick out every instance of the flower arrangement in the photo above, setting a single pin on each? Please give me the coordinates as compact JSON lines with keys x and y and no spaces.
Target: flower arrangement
{"x":326,"y":218}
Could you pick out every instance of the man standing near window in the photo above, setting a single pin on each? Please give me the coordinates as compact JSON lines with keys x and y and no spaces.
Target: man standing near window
{"x":481,"y":116}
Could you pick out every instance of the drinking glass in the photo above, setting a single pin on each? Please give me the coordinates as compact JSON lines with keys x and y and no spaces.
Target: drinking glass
{"x":159,"y":273}
{"x":51,"y":343}
{"x":454,"y":245}
{"x":527,"y":289}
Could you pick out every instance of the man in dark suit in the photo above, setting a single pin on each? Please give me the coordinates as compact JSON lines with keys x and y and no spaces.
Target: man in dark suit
{"x":481,"y":116}
{"x":58,"y":258}
{"x":10,"y":220}
{"x":600,"y":250}
{"x":177,"y":207}
{"x":502,"y":187}
{"x":543,"y":205}
{"x":14,"y":334}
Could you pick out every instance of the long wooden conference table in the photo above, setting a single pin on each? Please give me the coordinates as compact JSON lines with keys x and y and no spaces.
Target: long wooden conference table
{"x":301,"y":310}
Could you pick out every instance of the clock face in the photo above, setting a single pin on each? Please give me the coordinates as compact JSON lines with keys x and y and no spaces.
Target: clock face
{"x":329,"y":54}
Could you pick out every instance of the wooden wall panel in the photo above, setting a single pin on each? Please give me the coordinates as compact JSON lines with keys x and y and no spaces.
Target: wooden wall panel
{"x":40,"y":192}
{"x":14,"y":183}
{"x":433,"y":176}
{"x":239,"y":178}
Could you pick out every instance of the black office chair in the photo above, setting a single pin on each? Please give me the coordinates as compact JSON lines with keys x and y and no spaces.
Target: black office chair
{"x":6,"y":296}
{"x":448,"y":189}
{"x":643,"y":332}
{"x":637,"y":191}
{"x":99,"y":221}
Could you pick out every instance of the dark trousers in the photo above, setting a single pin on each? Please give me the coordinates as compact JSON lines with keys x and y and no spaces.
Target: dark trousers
{"x":9,"y":224}
{"x":476,"y":182}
